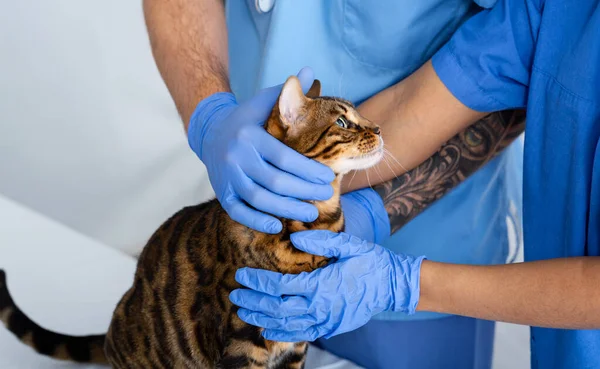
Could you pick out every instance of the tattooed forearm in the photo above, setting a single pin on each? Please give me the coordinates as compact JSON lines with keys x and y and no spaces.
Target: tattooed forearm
{"x":409,"y":194}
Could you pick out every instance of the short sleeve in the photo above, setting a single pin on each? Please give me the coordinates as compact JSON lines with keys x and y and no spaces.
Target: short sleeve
{"x":487,"y":63}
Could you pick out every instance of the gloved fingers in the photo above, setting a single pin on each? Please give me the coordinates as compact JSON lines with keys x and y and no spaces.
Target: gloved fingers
{"x":276,"y":284}
{"x":260,"y":106}
{"x":276,"y":307}
{"x":289,"y":160}
{"x":285,"y":184}
{"x":274,"y":204}
{"x":329,"y":244}
{"x":306,"y":76}
{"x":256,"y":220}
{"x":297,"y":323}
{"x":311,"y":334}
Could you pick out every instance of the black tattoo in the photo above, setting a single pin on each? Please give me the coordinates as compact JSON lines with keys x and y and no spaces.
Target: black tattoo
{"x":411,"y":193}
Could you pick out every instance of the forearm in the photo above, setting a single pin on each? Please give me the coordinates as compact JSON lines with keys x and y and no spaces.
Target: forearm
{"x":409,"y":193}
{"x":189,"y":44}
{"x":417,"y":116}
{"x":559,"y":293}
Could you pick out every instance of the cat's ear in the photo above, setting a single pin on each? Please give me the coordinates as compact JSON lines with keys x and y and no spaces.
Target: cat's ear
{"x":315,"y":89}
{"x":291,"y":101}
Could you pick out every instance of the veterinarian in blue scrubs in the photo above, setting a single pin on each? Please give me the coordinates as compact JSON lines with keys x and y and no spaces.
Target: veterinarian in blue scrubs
{"x":542,"y":55}
{"x":358,"y":48}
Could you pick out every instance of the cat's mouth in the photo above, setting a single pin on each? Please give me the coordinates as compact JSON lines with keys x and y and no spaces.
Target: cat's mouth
{"x":371,"y":158}
{"x":376,"y":152}
{"x":359,"y":162}
{"x":367,"y":160}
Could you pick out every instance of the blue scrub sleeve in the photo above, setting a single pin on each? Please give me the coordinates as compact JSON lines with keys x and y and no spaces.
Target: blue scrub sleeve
{"x":487,"y":63}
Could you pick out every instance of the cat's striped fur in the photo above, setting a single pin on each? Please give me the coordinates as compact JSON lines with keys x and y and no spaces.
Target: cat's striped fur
{"x":177,"y":314}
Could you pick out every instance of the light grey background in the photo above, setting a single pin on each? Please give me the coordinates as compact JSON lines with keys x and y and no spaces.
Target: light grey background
{"x":92,"y":153}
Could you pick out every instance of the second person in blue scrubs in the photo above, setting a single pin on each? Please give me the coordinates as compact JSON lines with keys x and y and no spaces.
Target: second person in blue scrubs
{"x":205,"y":51}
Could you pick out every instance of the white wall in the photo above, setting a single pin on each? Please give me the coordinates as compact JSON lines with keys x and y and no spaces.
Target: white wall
{"x":88,"y":132}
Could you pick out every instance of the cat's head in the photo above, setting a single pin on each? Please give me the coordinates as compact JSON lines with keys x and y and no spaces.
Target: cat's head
{"x":328,"y":130}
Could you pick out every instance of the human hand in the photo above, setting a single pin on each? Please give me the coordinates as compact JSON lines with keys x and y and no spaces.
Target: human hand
{"x":365,"y":215}
{"x":365,"y":280}
{"x":246,"y":165}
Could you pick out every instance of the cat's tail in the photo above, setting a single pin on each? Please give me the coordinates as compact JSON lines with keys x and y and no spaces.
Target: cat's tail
{"x":85,"y":349}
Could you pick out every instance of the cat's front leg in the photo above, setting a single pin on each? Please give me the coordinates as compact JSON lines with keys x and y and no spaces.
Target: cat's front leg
{"x":286,"y":355}
{"x":242,"y":354}
{"x":297,"y":357}
{"x":246,"y":348}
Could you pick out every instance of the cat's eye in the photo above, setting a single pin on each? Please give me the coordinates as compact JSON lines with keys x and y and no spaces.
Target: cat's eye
{"x":342,"y":122}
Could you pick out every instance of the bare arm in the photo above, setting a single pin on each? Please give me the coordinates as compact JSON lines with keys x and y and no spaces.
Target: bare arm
{"x":559,"y":293}
{"x":407,"y":195}
{"x":189,"y":44}
{"x":417,"y":115}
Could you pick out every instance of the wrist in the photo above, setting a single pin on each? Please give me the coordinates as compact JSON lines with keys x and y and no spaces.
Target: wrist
{"x":437,"y":287}
{"x":366,"y":216}
{"x":405,"y":282}
{"x":208,"y":112}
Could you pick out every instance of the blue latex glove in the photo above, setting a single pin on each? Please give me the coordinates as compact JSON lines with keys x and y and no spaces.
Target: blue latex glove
{"x":246,"y":165}
{"x":365,"y":215}
{"x":365,"y":280}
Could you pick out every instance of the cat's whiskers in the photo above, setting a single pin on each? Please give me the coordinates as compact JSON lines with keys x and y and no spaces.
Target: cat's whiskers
{"x":406,"y":172}
{"x":385,"y":160}
{"x":351,"y":179}
{"x":396,"y":160}
{"x":379,"y":173}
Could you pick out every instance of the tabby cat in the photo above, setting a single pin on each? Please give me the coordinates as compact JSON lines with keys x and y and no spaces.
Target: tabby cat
{"x":177,"y":314}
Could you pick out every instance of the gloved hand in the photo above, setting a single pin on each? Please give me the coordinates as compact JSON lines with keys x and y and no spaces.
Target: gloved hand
{"x":246,"y":165}
{"x":343,"y":296}
{"x":365,"y":215}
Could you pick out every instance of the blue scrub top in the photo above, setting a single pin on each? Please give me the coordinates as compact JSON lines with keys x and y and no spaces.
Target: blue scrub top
{"x":358,"y":48}
{"x":544,"y":55}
